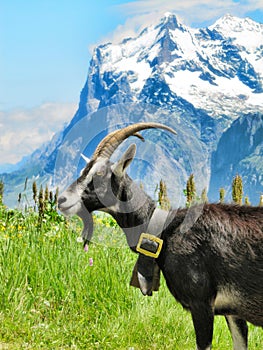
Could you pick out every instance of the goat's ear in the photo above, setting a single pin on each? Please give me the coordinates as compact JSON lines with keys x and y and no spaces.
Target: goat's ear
{"x":120,"y":167}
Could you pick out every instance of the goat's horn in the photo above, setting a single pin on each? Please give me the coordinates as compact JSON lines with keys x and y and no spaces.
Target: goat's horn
{"x":108,"y":145}
{"x":87,"y":160}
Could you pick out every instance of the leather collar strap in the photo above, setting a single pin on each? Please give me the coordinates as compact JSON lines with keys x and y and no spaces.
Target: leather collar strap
{"x":146,"y":272}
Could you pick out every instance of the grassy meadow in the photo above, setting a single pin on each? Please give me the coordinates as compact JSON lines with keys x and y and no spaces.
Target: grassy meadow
{"x":53,"y":296}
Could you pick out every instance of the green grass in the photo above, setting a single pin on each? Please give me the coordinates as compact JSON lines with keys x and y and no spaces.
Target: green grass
{"x":51,"y":298}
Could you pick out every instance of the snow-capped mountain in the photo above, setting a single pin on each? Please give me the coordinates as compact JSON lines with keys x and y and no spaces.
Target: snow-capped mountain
{"x":218,"y":69}
{"x":197,"y":80}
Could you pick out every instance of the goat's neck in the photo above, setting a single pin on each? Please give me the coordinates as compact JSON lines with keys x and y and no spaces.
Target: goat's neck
{"x":133,"y":211}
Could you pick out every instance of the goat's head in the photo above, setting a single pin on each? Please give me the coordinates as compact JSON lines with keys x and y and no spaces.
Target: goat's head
{"x":99,"y":185}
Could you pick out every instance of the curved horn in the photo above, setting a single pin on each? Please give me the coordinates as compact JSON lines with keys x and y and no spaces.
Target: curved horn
{"x":108,"y":145}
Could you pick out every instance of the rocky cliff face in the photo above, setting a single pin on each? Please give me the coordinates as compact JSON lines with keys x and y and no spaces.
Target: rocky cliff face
{"x":239,"y":151}
{"x":196,"y":80}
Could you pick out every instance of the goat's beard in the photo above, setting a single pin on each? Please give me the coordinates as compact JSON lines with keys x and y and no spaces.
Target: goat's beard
{"x":87,"y":231}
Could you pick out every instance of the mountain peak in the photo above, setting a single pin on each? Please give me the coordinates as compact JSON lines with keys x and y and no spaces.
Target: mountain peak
{"x":170,"y":21}
{"x":202,"y":78}
{"x":236,"y":24}
{"x":169,"y":14}
{"x":243,"y":31}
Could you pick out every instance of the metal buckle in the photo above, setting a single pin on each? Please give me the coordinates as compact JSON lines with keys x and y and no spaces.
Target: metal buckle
{"x":151,"y":238}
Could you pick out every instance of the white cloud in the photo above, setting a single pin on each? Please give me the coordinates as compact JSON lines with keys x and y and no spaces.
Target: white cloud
{"x":192,"y":10}
{"x":23,"y":131}
{"x":143,"y":13}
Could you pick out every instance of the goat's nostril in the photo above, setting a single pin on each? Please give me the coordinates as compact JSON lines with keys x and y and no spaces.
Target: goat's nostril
{"x":61,"y":200}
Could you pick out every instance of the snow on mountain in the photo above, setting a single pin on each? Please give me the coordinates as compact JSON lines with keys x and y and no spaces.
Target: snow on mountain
{"x":196,"y":80}
{"x":218,"y":69}
{"x":244,"y":31}
{"x":246,"y":34}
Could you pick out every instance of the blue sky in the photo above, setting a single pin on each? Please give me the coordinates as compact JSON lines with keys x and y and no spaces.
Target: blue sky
{"x":45,"y":48}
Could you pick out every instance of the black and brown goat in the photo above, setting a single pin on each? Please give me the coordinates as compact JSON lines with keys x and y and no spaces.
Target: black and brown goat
{"x":211,"y":255}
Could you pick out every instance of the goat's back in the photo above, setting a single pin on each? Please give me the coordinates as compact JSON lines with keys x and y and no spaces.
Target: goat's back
{"x":239,"y":226}
{"x":219,"y":246}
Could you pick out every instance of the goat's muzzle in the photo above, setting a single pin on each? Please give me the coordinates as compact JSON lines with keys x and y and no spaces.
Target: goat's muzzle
{"x":69,"y":208}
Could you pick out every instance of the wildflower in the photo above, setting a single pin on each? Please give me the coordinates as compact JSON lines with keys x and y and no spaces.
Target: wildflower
{"x":86,"y":248}
{"x":46,"y":303}
{"x":90,"y":262}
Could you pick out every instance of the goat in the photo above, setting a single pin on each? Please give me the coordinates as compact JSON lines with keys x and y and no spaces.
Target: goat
{"x":211,"y":255}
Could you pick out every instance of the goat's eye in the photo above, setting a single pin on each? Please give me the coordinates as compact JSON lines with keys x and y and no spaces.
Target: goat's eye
{"x":101,"y":172}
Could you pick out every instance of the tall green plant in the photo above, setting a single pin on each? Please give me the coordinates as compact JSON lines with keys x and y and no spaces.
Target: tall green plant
{"x":41,"y":204}
{"x":1,"y":191}
{"x":46,"y":198}
{"x":204,"y":198}
{"x":222,"y":194}
{"x":163,"y":199}
{"x":237,"y":189}
{"x":34,"y":189}
{"x":190,"y":191}
{"x":247,"y":202}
